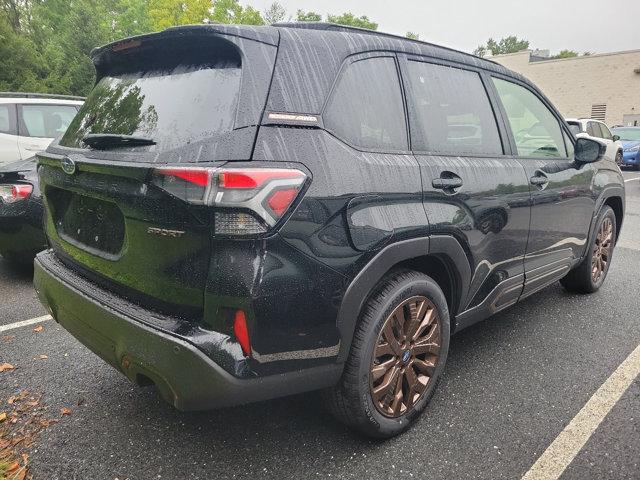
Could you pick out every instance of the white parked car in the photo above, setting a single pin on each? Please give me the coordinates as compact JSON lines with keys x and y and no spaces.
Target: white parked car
{"x":30,"y":122}
{"x":587,"y":127}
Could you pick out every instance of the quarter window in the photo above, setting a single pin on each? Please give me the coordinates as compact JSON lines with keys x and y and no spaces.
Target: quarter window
{"x":366,"y":108}
{"x":45,"y":121}
{"x":536,"y":130}
{"x":569,"y":144}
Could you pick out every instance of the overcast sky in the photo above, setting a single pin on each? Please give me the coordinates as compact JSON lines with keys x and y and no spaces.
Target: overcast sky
{"x":588,"y":25}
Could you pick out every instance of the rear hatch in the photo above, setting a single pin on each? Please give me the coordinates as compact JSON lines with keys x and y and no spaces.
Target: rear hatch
{"x":195,"y":97}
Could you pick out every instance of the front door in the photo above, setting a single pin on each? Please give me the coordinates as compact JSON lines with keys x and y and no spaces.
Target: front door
{"x":562,"y":198}
{"x":472,"y":191}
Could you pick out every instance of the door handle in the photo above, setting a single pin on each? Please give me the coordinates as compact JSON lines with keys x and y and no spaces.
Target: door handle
{"x":539,"y":180}
{"x":446,"y":183}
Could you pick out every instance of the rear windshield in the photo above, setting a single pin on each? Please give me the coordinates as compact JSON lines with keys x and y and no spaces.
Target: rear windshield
{"x":174,"y":108}
{"x":574,"y":127}
{"x":176,"y":93}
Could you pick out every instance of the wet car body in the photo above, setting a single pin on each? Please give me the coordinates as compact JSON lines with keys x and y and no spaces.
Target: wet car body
{"x":167,"y":286}
{"x":21,"y":232}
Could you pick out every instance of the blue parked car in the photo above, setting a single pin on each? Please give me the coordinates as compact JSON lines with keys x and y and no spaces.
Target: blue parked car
{"x":630,"y":138}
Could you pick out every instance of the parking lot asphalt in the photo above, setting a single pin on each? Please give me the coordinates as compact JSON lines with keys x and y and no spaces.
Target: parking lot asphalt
{"x":512,"y":384}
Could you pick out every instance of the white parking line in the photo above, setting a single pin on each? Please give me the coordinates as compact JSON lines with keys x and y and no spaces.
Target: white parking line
{"x":557,"y":457}
{"x":24,"y":323}
{"x":630,"y":179}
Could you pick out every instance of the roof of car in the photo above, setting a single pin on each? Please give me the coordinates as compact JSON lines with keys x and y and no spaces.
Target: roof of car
{"x":270,"y":33}
{"x":311,"y":55}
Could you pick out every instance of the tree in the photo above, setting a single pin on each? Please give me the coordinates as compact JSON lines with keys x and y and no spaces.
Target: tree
{"x":274,"y":14}
{"x":167,"y":13}
{"x":413,"y":36}
{"x":21,"y":67}
{"x":480,"y":51}
{"x":230,"y":11}
{"x":351,"y":20}
{"x":302,"y":16}
{"x":510,"y":44}
{"x":565,"y":54}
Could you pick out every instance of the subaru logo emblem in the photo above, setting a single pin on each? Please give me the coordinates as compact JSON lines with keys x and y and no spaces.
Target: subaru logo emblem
{"x":68,"y":166}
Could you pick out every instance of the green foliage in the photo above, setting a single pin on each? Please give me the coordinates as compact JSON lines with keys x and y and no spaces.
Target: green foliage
{"x":565,"y":54}
{"x":274,"y":14}
{"x":166,"y":13}
{"x":45,"y":44}
{"x":20,"y":61}
{"x":413,"y":36}
{"x":510,"y":44}
{"x":302,"y":16}
{"x":120,"y":104}
{"x":353,"y":21}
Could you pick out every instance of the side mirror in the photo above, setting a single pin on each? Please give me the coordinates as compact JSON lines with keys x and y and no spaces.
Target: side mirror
{"x":615,"y":138}
{"x":588,"y":150}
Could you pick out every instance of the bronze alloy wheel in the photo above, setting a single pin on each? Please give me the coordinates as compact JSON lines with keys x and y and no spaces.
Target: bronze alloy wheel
{"x":602,"y":250}
{"x":405,"y":356}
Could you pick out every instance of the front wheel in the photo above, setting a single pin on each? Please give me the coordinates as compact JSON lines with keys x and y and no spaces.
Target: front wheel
{"x":619,"y":158}
{"x":590,"y":274}
{"x":399,"y":350}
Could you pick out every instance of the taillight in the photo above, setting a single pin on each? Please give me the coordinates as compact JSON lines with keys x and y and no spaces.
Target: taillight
{"x":248,"y":201}
{"x":15,"y":193}
{"x":241,"y":332}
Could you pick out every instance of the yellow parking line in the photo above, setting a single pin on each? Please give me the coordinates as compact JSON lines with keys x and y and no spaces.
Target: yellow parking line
{"x":24,"y":323}
{"x":557,"y":457}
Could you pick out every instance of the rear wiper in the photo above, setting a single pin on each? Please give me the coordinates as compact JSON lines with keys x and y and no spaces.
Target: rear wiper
{"x":104,"y":141}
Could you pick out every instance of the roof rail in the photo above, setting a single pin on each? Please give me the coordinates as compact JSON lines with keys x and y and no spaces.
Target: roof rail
{"x":40,"y":95}
{"x":335,"y":27}
{"x":347,"y":28}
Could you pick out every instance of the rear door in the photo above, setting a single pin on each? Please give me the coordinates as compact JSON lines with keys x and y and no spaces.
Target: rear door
{"x":132,"y":218}
{"x":561,"y":189}
{"x":8,"y":134}
{"x":472,"y":189}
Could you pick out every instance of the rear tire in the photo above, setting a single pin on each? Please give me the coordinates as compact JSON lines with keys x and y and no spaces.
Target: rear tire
{"x":18,"y":261}
{"x":386,"y":384}
{"x":590,"y":274}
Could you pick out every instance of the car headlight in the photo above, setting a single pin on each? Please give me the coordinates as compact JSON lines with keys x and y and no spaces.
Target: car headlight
{"x":635,"y":148}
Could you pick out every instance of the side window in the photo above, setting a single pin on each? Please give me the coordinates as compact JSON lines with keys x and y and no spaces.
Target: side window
{"x":597,"y":131}
{"x":591,"y":130}
{"x":536,"y":130}
{"x":6,"y":119}
{"x":366,"y":108}
{"x":606,"y":133}
{"x":45,"y":121}
{"x":449,"y":111}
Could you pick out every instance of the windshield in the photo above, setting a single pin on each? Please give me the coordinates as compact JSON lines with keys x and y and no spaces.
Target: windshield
{"x":628,"y":134}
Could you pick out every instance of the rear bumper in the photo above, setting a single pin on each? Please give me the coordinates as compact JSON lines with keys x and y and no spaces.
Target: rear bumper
{"x":184,"y":375}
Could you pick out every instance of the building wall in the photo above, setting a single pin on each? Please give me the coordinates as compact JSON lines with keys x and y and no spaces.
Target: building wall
{"x":575,"y":84}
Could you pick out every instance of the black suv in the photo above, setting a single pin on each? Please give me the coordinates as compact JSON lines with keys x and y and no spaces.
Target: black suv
{"x":240,"y":213}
